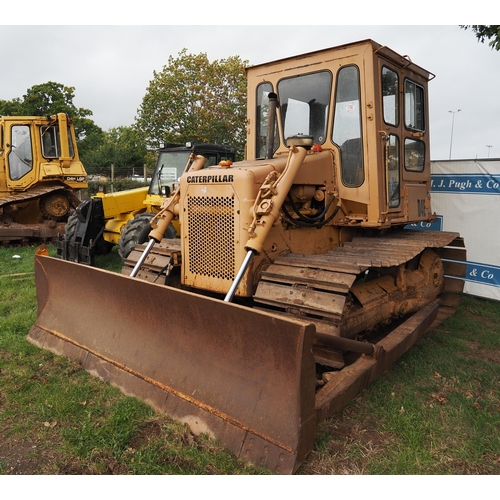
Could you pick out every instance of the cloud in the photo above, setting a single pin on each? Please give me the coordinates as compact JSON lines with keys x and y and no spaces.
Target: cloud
{"x":111,"y":66}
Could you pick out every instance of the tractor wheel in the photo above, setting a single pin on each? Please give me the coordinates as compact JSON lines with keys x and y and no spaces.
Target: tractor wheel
{"x":70,"y":227}
{"x":136,"y":231}
{"x":102,"y":247}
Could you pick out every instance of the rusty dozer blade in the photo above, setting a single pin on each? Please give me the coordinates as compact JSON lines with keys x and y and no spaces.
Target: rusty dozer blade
{"x":243,"y":376}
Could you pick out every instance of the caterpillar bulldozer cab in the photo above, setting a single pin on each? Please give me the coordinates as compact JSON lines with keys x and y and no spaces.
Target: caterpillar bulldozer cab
{"x":295,"y":281}
{"x":123,"y":218}
{"x":40,"y":177}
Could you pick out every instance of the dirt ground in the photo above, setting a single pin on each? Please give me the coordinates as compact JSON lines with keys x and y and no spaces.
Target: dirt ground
{"x":25,"y":458}
{"x":41,"y":457}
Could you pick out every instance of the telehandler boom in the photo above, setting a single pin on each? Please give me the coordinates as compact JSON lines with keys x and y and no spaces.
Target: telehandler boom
{"x":295,"y":281}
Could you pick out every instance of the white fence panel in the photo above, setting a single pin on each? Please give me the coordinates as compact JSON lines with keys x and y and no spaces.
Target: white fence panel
{"x":465,"y":194}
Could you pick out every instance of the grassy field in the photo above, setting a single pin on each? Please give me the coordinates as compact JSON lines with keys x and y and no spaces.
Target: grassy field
{"x":436,"y":411}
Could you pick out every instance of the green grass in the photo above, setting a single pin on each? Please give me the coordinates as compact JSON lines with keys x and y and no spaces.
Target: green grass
{"x":435,"y":411}
{"x":72,"y":422}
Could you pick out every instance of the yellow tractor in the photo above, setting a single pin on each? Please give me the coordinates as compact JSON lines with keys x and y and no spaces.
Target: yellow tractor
{"x":40,"y":177}
{"x":294,"y":282}
{"x":123,"y":218}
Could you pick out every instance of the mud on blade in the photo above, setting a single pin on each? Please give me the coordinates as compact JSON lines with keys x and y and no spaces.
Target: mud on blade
{"x":245,"y":377}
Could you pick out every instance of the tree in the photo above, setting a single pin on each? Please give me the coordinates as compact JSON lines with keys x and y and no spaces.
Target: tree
{"x":10,"y":108}
{"x":48,"y":99}
{"x":89,"y":137}
{"x":121,"y":147}
{"x":491,"y":33}
{"x":193,"y":99}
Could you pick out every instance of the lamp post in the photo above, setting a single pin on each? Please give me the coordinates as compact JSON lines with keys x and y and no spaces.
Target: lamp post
{"x":452,"y":123}
{"x":489,"y":146}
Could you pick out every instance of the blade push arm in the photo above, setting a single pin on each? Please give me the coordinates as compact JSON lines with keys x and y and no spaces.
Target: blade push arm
{"x":169,"y":210}
{"x":266,"y":210}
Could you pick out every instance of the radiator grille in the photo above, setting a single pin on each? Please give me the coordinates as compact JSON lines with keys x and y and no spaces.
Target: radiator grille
{"x":211,"y":236}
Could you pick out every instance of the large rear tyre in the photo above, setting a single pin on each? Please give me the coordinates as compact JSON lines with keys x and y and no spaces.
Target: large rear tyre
{"x":136,"y":231}
{"x":101,"y":246}
{"x":70,"y":227}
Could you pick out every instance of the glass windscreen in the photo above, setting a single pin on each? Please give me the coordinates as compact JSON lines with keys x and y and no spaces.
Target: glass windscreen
{"x":169,"y":168}
{"x":304,"y":104}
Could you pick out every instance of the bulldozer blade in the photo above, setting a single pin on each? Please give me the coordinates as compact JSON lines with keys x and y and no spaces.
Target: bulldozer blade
{"x":243,"y":376}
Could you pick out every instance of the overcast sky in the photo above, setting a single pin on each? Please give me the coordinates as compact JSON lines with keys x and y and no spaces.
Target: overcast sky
{"x":111,"y":66}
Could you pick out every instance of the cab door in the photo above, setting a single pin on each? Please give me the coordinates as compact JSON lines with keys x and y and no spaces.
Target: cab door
{"x":20,"y":156}
{"x":391,"y":134}
{"x":405,"y":133}
{"x":416,"y":154}
{"x":351,"y":130}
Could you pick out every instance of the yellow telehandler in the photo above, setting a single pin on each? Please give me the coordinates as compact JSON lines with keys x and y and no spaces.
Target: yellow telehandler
{"x":40,"y":177}
{"x":123,"y":218}
{"x":294,"y":282}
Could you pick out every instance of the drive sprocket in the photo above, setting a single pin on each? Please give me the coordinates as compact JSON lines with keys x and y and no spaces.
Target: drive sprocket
{"x":55,"y":206}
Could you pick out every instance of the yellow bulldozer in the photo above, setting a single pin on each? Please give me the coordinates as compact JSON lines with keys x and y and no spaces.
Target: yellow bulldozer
{"x":40,"y":177}
{"x":123,"y":218}
{"x":295,"y":281}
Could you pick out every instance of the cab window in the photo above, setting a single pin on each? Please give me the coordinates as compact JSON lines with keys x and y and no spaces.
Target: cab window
{"x":414,"y":155}
{"x":263,"y":91}
{"x":393,"y":183}
{"x":51,"y":142}
{"x":169,"y":168}
{"x":390,"y":99}
{"x":304,"y":104}
{"x":347,"y":126}
{"x":20,"y":156}
{"x":414,"y":106}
